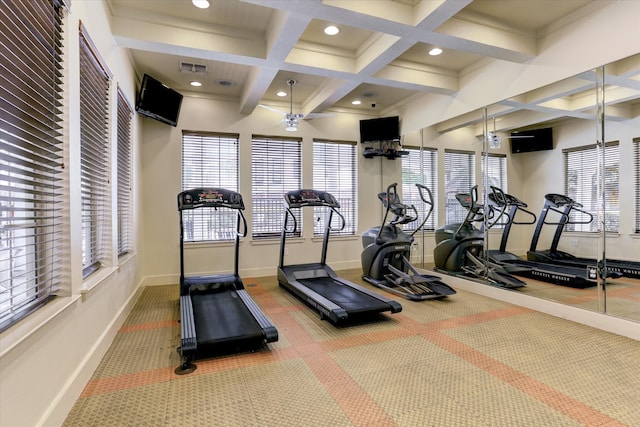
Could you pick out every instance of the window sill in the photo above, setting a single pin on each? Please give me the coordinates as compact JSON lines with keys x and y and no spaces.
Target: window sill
{"x":336,"y":237}
{"x":25,"y":328}
{"x":209,"y":244}
{"x":266,"y":242}
{"x":97,"y":278}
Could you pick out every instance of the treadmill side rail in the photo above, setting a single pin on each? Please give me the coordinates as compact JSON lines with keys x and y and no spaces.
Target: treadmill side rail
{"x":270,"y":331}
{"x":189,"y":343}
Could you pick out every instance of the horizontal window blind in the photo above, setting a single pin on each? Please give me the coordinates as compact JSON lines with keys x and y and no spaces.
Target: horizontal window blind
{"x":459,"y":177}
{"x":420,"y":166}
{"x":496,"y":174}
{"x":125,"y":115}
{"x":31,"y":157}
{"x":636,"y":156}
{"x":335,"y":169}
{"x":94,"y":154}
{"x":276,"y":167}
{"x":210,"y":159}
{"x":583,"y":184}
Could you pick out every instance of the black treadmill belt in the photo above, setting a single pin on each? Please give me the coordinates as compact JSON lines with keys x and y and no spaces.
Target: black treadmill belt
{"x":347,"y":298}
{"x":222,"y":317}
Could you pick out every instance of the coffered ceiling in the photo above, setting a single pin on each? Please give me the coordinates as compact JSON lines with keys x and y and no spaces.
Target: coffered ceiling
{"x":246,"y":50}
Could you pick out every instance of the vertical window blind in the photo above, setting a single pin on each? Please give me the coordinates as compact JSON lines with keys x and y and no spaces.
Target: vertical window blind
{"x":420,"y":166}
{"x":30,"y":157}
{"x":210,"y":159}
{"x":125,"y":115}
{"x":94,"y":154}
{"x":636,"y":156}
{"x":583,"y":184}
{"x":459,"y":177}
{"x":276,"y":167}
{"x":335,"y":169}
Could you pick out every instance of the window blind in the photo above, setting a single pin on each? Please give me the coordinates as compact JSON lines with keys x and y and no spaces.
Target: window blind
{"x":210,"y":159}
{"x":496,"y":165}
{"x":30,"y":157}
{"x":636,"y":156}
{"x":583,"y":184}
{"x":94,"y":154}
{"x":276,"y":167}
{"x":125,"y":114}
{"x":459,"y":177}
{"x":335,"y":169}
{"x":420,"y":166}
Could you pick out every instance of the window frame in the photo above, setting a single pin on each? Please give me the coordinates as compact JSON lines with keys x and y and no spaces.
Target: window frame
{"x":95,"y":146}
{"x":124,"y":177}
{"x":31,"y":155}
{"x":339,"y":157}
{"x":416,"y":159}
{"x":589,"y":161}
{"x":454,"y":211}
{"x":206,"y":158}
{"x":268,"y":189}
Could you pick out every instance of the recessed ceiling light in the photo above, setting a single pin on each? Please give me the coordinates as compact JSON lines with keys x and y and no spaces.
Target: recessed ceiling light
{"x":281,"y":93}
{"x":202,"y":4}
{"x":331,"y":30}
{"x":435,"y":51}
{"x":196,"y":84}
{"x":356,"y":102}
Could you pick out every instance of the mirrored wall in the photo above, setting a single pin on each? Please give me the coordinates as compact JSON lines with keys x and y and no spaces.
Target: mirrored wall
{"x":571,"y":202}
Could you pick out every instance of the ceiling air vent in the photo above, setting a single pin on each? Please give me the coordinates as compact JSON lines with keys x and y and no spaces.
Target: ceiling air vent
{"x":188,"y":67}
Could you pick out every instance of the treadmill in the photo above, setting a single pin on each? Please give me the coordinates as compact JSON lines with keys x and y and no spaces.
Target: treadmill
{"x":564,"y":275}
{"x":217,"y":314}
{"x":564,"y":206}
{"x":335,"y":298}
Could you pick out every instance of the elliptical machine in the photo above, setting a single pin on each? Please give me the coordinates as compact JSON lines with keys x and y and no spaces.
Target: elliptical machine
{"x":460,"y":247}
{"x":387,"y":248}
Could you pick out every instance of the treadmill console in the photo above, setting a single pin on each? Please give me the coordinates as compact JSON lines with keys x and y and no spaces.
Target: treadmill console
{"x":509,"y":200}
{"x":209,"y":197}
{"x":308,"y":197}
{"x":559,"y":200}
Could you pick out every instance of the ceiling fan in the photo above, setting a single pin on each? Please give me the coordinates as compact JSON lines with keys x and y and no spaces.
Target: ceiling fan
{"x":291,"y":119}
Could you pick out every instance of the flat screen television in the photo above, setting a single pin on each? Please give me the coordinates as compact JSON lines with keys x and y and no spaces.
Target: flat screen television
{"x":380,"y":129}
{"x":158,"y":101}
{"x":537,"y":140}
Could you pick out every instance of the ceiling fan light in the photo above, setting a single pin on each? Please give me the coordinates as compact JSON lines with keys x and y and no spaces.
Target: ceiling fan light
{"x":331,"y":30}
{"x":291,"y":128}
{"x":200,"y":4}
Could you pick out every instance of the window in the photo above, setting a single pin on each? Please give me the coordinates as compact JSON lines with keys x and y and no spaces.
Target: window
{"x":276,"y":167}
{"x":335,"y":166}
{"x":94,"y":154}
{"x":497,"y":177}
{"x":420,"y":166}
{"x":30,"y":157}
{"x":636,"y":155}
{"x":459,"y":177}
{"x":583,"y":184}
{"x":209,"y":160}
{"x":125,"y":115}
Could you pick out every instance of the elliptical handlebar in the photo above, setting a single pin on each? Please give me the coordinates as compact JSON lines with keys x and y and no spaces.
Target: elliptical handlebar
{"x":429,"y":202}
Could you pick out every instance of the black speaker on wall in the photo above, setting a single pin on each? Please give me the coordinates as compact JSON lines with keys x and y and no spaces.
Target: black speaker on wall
{"x":534,"y":140}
